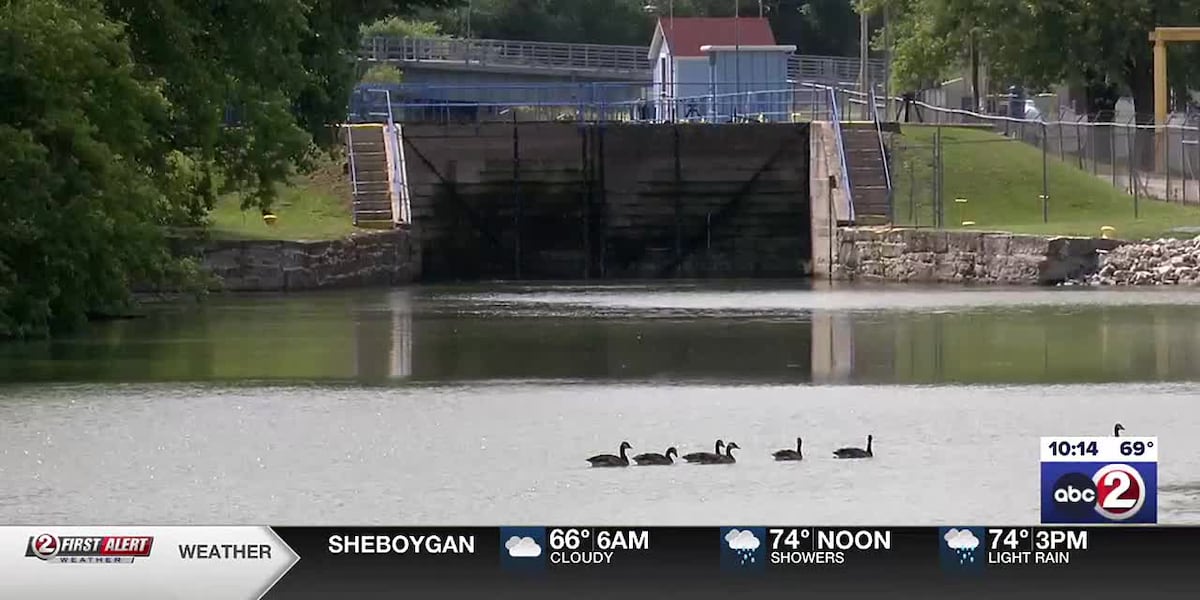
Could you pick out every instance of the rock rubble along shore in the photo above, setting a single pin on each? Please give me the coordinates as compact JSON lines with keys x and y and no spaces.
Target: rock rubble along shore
{"x":1157,"y":262}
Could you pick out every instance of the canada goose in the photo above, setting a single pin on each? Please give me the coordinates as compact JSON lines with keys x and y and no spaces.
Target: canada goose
{"x":608,"y":460}
{"x":1117,"y":429}
{"x":855,"y":452}
{"x":701,"y":456}
{"x":723,"y":459}
{"x":789,"y":454}
{"x":653,"y":458}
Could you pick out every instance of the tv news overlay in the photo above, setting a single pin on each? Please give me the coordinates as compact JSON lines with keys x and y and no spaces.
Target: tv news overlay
{"x":141,"y":562}
{"x":1099,"y":480}
{"x":587,"y":561}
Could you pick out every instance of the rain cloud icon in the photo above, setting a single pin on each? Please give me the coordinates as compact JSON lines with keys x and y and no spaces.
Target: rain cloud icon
{"x":523,"y":547}
{"x":743,"y":543}
{"x":963,"y":543}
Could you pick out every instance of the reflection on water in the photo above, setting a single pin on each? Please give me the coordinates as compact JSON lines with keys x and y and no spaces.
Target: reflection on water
{"x":730,"y":332}
{"x":498,"y":392}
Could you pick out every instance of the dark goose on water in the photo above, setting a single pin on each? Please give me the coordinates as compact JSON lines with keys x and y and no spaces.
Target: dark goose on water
{"x":609,"y":460}
{"x":723,"y":459}
{"x":855,"y":452}
{"x":789,"y":454}
{"x":653,"y":458}
{"x":702,"y":456}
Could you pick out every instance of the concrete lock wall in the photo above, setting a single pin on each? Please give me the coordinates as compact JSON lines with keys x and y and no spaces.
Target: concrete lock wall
{"x":366,"y":259}
{"x":939,"y":256}
{"x":571,"y":201}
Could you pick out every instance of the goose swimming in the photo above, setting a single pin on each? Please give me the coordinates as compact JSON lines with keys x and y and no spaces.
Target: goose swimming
{"x":855,"y":452}
{"x":1117,"y":429}
{"x":789,"y":454}
{"x":609,"y":460}
{"x":723,"y":459}
{"x":701,"y":456}
{"x":653,"y":458}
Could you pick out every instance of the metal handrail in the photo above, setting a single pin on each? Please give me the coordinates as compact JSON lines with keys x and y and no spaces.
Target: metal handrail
{"x":353,"y":171}
{"x":394,"y":188}
{"x":887,"y":174}
{"x":837,"y":128}
{"x":582,"y":56}
{"x":507,"y":53}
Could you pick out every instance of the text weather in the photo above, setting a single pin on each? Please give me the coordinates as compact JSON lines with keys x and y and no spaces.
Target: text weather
{"x":1099,"y":480}
{"x":582,"y":546}
{"x":815,"y":546}
{"x":1026,"y":546}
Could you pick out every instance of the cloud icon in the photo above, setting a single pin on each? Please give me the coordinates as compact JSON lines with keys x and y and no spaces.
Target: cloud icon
{"x":742,"y":540}
{"x":961,"y":539}
{"x":522,"y":547}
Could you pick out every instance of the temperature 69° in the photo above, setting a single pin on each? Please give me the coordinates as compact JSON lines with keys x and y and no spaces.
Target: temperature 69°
{"x":568,"y":539}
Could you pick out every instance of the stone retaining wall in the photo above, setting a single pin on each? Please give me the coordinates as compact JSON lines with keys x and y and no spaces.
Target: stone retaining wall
{"x":363,"y":259}
{"x":932,"y":256}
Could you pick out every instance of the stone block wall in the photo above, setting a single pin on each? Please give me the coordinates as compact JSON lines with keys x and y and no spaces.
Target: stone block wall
{"x":363,"y":259}
{"x":939,"y":256}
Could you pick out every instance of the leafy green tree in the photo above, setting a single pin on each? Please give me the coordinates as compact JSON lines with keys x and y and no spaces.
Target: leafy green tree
{"x":122,"y":119}
{"x":82,"y":208}
{"x":401,"y":27}
{"x":382,"y":74}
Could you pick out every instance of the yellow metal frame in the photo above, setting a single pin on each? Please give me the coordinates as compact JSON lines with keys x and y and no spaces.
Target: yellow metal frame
{"x":1161,"y":36}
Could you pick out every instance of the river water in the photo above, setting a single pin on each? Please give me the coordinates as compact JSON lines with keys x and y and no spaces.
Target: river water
{"x":479,"y":404}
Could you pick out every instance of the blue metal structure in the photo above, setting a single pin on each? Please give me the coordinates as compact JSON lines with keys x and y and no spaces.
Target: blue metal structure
{"x":748,"y":84}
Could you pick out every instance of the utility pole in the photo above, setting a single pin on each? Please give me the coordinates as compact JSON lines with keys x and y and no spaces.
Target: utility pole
{"x":737,"y":58}
{"x":864,"y":76}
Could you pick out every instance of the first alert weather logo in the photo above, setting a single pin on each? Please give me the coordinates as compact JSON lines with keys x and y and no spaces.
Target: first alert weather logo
{"x":89,"y":548}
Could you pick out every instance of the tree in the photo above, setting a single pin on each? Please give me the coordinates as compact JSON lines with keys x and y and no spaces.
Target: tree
{"x":82,"y":179}
{"x":122,"y":119}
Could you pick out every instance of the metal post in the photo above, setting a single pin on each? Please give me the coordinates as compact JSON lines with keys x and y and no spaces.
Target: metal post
{"x":1167,"y":158}
{"x":678,"y":202}
{"x":737,"y":60}
{"x":1045,"y":178}
{"x":832,"y":182}
{"x":516,"y":199}
{"x":1131,"y":142}
{"x":1112,"y":148}
{"x":937,"y":176}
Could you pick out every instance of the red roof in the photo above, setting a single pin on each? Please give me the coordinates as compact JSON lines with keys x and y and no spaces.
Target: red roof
{"x":685,"y":35}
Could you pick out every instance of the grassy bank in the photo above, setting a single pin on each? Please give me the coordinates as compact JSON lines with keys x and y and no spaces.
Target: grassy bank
{"x":1001,"y":180}
{"x":312,"y":206}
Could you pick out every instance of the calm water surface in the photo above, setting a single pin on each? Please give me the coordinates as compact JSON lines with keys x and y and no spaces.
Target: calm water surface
{"x":477,"y":405}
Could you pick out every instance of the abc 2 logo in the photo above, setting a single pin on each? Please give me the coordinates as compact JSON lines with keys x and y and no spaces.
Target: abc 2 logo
{"x":1099,"y":492}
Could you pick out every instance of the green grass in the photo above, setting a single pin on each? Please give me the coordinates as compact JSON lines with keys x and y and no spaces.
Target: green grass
{"x":1001,"y":180}
{"x":312,"y":206}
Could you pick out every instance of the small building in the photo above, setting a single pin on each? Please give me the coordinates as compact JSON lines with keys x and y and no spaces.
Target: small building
{"x":718,"y":69}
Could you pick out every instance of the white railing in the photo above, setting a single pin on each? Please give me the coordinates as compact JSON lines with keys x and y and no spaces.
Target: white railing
{"x":353,"y":172}
{"x":883,"y":154}
{"x":599,"y":57}
{"x":632,"y":60}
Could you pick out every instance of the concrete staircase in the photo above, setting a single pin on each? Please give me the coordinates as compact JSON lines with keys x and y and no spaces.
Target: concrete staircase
{"x":370,"y":176}
{"x":868,"y":179}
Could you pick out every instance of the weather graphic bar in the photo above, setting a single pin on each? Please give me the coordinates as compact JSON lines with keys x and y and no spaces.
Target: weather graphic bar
{"x":280,"y":563}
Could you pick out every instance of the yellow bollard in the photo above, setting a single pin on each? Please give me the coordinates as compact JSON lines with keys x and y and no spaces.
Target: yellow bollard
{"x":269,"y":219}
{"x":1107,"y":232}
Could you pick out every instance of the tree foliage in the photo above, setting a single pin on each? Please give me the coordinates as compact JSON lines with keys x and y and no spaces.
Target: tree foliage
{"x":1100,"y":46}
{"x":400,"y":27}
{"x":814,"y":26}
{"x":120,"y":119}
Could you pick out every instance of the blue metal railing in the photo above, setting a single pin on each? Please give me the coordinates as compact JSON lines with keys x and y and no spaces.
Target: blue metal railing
{"x":883,"y":155}
{"x":841,"y":147}
{"x":775,"y":101}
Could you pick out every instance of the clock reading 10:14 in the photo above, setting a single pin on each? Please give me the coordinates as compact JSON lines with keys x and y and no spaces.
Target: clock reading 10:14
{"x":1082,"y":448}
